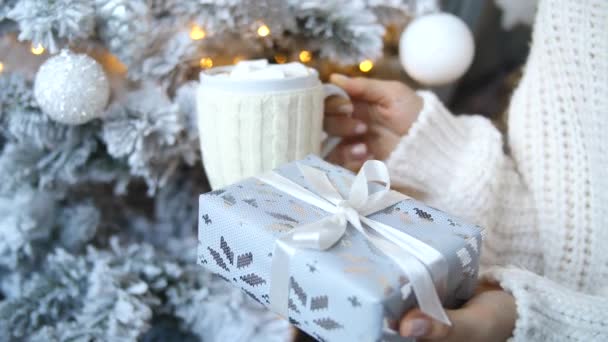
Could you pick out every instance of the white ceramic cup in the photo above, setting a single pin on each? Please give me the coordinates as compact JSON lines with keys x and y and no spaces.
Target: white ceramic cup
{"x":248,"y":127}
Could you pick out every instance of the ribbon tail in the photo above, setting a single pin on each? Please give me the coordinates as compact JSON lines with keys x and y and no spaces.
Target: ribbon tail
{"x":419,"y":280}
{"x":430,"y":258}
{"x":279,"y":285}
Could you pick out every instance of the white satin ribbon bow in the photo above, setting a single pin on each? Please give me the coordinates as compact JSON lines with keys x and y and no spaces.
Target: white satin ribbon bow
{"x":415,"y":258}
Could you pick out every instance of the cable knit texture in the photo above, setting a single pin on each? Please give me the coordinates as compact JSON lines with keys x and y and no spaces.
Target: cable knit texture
{"x":253,"y":134}
{"x":545,"y":204}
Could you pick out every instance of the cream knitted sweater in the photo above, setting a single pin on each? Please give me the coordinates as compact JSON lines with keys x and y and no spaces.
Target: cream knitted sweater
{"x":545,"y":203}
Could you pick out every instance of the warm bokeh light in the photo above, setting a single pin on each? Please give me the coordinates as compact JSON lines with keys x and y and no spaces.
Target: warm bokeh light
{"x":113,"y":64}
{"x":1,"y":67}
{"x":237,"y":59}
{"x":197,"y":33}
{"x":206,"y":62}
{"x":263,"y":30}
{"x":37,"y":50}
{"x":280,"y":58}
{"x":366,"y":65}
{"x":305,"y":56}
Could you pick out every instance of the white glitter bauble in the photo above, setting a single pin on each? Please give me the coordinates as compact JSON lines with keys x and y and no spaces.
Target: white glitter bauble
{"x":71,"y":88}
{"x":436,"y":49}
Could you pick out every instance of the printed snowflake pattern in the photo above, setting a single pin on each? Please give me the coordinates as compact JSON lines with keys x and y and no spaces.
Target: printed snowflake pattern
{"x":405,"y":218}
{"x":252,"y":202}
{"x":389,"y":210}
{"x":470,"y":272}
{"x":253,"y":279}
{"x":216,"y":192}
{"x":292,"y":306}
{"x":463,"y":236}
{"x":244,"y":260}
{"x":293,"y":321}
{"x":319,"y":303}
{"x":201,"y":257}
{"x":319,"y":337}
{"x":252,"y":296}
{"x":474,"y":244}
{"x":218,"y":259}
{"x":354,"y":301}
{"x":298,"y":290}
{"x":222,"y":277}
{"x":282,"y":217}
{"x":298,"y":209}
{"x":423,"y":214}
{"x":328,"y":323}
{"x":229,"y":200}
{"x":227,"y":251}
{"x":279,"y":227}
{"x":453,"y":224}
{"x":206,"y":219}
{"x":464,"y":257}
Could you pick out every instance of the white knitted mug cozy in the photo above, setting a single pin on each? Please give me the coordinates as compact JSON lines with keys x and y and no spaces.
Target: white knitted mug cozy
{"x":250,"y":126}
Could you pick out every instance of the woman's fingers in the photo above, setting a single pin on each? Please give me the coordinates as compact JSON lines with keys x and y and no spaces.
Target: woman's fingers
{"x":337,"y":105}
{"x":467,"y":325}
{"x":344,"y":126}
{"x":361,"y":88}
{"x":350,"y":154}
{"x":488,"y":316}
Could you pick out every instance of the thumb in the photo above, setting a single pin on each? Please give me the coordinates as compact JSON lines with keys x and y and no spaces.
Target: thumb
{"x":418,"y":325}
{"x":465,"y":323}
{"x":360,"y":88}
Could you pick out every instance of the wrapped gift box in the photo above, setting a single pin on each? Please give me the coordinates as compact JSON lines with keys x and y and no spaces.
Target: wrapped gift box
{"x":349,"y":292}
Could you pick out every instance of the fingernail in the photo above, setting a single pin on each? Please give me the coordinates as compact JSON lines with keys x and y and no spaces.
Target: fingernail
{"x":346,"y":108}
{"x":358,"y":150}
{"x":416,"y":327}
{"x":360,"y":128}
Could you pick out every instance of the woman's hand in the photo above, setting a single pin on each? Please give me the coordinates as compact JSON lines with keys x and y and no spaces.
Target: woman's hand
{"x":380,"y":113}
{"x":489,"y":316}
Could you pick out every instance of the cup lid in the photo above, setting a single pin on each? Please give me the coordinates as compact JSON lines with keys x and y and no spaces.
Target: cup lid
{"x":211,"y":78}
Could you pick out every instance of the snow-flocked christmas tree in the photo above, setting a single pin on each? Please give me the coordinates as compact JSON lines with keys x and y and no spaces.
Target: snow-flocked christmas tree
{"x":99,"y":161}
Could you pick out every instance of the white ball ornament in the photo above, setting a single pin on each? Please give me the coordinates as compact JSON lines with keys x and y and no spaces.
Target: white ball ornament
{"x":436,"y":49}
{"x":71,"y":88}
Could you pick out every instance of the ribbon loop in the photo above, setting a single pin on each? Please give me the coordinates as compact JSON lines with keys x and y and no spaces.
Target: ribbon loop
{"x":319,"y":235}
{"x":425,"y":267}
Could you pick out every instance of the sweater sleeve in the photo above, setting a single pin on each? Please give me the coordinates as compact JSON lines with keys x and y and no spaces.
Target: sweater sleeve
{"x":548,"y":311}
{"x":457,"y":163}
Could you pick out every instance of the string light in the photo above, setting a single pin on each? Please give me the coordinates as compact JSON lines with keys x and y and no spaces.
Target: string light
{"x":197,"y":33}
{"x":263,"y":30}
{"x":280,"y":58}
{"x":112,"y":64}
{"x":206,"y":62}
{"x":305,"y":56}
{"x":366,"y":65}
{"x":1,"y":67}
{"x":37,"y":50}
